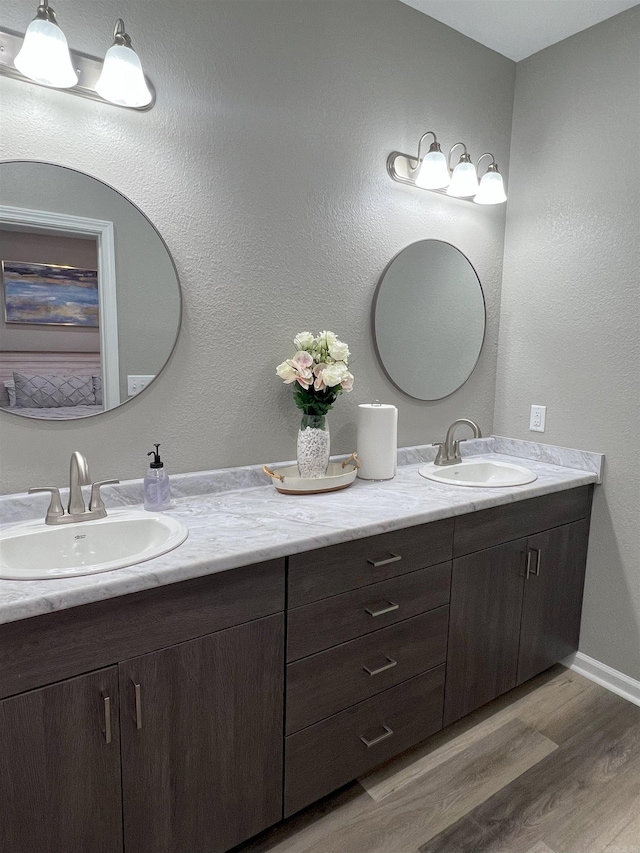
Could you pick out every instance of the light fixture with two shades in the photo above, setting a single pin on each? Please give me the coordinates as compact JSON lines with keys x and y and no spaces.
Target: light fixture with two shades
{"x":432,"y":171}
{"x":43,"y":57}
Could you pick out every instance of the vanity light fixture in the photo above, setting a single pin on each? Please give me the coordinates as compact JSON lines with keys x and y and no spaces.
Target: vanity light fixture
{"x":43,"y":57}
{"x":433,"y":172}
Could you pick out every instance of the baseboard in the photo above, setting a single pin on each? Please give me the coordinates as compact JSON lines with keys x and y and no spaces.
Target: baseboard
{"x":606,"y":676}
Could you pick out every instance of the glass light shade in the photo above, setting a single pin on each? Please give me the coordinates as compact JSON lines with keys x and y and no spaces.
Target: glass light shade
{"x":434,"y":172}
{"x":122,"y":80}
{"x":491,"y":189}
{"x":44,"y":56}
{"x":464,"y":181}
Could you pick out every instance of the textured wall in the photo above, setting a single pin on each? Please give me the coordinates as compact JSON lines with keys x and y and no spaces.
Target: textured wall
{"x":263,"y":165}
{"x":570,"y":321}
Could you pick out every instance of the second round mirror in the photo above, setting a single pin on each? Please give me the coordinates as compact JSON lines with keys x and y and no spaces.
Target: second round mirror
{"x":429,"y":319}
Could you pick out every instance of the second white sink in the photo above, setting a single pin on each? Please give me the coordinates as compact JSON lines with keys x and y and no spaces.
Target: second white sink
{"x":37,"y":551}
{"x":479,"y":472}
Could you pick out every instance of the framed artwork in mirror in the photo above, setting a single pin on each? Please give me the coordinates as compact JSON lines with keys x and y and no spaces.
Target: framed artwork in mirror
{"x":48,"y":294}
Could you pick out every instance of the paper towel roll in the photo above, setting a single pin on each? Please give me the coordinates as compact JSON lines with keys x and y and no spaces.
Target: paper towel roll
{"x":377,"y":441}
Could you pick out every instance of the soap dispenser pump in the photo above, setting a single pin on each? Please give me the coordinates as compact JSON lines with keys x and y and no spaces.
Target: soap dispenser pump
{"x":157,"y":491}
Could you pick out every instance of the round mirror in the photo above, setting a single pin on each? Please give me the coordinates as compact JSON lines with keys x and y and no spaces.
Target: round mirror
{"x":90,"y":301}
{"x":429,"y":320}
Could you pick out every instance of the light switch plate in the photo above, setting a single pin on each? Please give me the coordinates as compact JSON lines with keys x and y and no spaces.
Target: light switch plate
{"x":136,"y":384}
{"x":538,"y":418}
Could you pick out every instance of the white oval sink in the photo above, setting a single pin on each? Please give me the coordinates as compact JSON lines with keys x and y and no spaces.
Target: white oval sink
{"x":38,"y":551}
{"x":480,"y":473}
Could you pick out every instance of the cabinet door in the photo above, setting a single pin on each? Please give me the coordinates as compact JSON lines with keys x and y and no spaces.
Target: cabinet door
{"x":552,"y":597}
{"x":484,"y":627}
{"x":202,"y":740}
{"x":60,"y":768}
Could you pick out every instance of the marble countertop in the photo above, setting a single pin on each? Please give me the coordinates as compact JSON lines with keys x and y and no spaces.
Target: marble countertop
{"x":236,"y":517}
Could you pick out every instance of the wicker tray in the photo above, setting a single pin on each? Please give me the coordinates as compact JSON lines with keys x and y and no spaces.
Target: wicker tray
{"x":339,"y":475}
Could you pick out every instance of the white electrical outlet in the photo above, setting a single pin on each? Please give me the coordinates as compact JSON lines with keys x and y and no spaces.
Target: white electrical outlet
{"x":136,"y":384}
{"x":538,"y":417}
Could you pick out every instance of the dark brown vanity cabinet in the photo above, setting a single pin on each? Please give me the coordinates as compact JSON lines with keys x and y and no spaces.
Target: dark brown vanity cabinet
{"x":515,"y":607}
{"x":201,"y":740}
{"x":366,"y":648}
{"x":154,"y":722}
{"x":176,"y":748}
{"x":60,"y":768}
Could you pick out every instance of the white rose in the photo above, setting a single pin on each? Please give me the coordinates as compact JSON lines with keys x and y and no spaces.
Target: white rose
{"x":338,"y":350}
{"x":286,"y":372}
{"x":326,"y":339}
{"x":303,"y":341}
{"x":333,"y":374}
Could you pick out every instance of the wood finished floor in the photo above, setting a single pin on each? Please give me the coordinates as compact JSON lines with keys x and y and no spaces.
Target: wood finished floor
{"x":552,"y":767}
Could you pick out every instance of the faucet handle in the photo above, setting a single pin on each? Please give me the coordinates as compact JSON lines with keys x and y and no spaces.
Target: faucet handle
{"x":456,"y":449}
{"x":96,"y":503}
{"x":440,"y":456}
{"x":55,"y":506}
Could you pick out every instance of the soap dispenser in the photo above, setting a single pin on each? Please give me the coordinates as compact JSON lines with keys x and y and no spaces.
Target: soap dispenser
{"x":157,"y":491}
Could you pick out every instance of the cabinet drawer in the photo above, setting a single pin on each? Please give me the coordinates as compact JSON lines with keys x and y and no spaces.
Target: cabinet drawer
{"x":335,"y":620}
{"x":331,"y":753}
{"x":488,"y":527}
{"x":330,"y":681}
{"x":339,"y":568}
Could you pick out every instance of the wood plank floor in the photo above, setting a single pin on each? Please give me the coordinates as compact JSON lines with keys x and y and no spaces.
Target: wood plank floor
{"x":552,"y":767}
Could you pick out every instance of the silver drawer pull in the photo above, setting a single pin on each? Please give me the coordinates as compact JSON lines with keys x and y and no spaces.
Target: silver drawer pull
{"x":107,"y":719}
{"x":392,"y":559}
{"x":380,"y":669}
{"x":387,"y":733}
{"x":389,"y":608}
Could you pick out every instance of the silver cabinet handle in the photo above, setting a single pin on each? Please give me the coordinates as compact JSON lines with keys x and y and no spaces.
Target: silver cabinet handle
{"x":391,"y":606}
{"x":528,"y":567}
{"x":533,"y":571}
{"x":538,"y":554}
{"x":392,"y":559}
{"x":380,"y":669}
{"x":138,"y":696}
{"x":107,"y":718}
{"x":387,"y":733}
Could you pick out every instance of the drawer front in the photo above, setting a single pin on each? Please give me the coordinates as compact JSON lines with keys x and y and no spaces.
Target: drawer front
{"x":339,"y":568}
{"x":331,"y":681}
{"x":325,"y":756}
{"x":335,"y":620}
{"x":478,"y":530}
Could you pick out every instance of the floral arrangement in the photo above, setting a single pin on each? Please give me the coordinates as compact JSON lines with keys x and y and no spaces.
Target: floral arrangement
{"x":319,"y":371}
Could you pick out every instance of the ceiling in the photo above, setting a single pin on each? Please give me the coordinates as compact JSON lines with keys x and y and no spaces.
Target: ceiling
{"x":518,"y":28}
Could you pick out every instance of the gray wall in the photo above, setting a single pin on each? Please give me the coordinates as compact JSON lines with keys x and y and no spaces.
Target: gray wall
{"x":570,"y":320}
{"x":263,"y":165}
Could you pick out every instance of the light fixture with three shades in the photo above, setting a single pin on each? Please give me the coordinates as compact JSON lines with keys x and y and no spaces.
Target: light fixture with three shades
{"x":432,"y":171}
